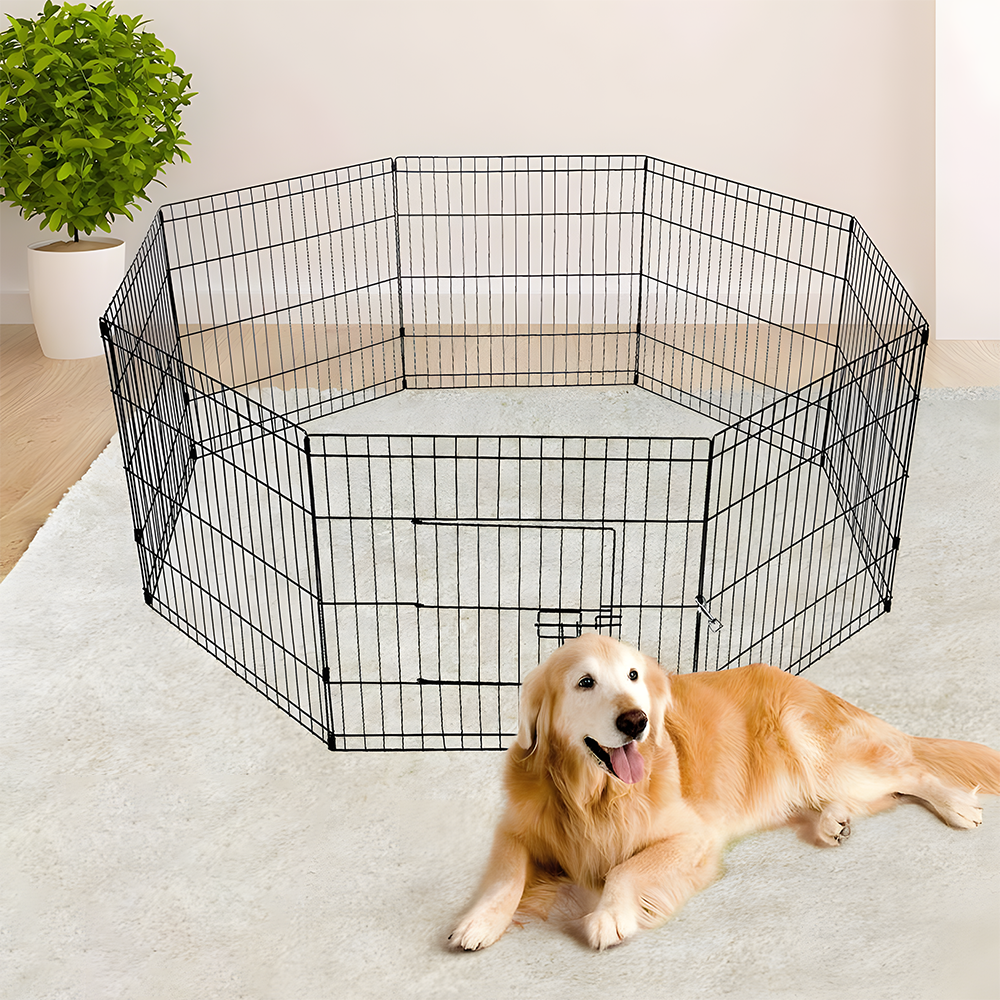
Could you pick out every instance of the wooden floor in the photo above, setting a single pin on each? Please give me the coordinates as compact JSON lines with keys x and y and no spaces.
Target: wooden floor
{"x":56,"y":417}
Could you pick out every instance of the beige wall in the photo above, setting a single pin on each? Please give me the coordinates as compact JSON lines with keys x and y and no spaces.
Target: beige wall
{"x":832,"y":102}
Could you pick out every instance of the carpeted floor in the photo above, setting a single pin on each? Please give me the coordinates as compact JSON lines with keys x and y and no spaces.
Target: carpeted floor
{"x":167,"y":833}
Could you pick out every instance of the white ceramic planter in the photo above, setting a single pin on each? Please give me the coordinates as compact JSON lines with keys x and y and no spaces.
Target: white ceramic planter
{"x":69,"y":292}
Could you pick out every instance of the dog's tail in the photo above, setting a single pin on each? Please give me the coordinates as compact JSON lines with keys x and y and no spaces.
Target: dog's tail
{"x":968,"y":765}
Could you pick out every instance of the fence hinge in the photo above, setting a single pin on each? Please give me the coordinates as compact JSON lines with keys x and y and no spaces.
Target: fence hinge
{"x":895,"y":544}
{"x":326,"y":675}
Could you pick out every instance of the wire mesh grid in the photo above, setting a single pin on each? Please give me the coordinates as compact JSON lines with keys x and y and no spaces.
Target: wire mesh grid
{"x":388,"y":586}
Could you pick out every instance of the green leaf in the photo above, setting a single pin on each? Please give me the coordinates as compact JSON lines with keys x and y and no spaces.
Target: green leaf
{"x":45,"y":62}
{"x":65,"y":171}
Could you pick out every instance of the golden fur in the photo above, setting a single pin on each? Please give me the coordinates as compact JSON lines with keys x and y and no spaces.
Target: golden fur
{"x":723,"y":754}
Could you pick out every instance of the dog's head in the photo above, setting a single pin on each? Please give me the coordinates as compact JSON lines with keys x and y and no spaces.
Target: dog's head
{"x":598,"y":698}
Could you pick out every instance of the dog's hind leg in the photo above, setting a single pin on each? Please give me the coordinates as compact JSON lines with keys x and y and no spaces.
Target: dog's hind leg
{"x":499,"y":895}
{"x":958,"y":807}
{"x":650,"y":887}
{"x":946,"y":776}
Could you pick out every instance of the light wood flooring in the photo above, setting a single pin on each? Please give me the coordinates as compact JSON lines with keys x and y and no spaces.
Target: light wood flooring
{"x":56,"y":417}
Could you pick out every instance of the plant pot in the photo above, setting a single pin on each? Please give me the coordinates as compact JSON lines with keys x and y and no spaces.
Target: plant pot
{"x":71,"y":284}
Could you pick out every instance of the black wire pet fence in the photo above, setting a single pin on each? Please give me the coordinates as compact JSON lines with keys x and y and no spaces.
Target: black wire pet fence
{"x":386,"y":576}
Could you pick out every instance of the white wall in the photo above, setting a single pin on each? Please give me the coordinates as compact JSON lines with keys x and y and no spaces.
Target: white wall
{"x":831,"y":101}
{"x":968,"y":169}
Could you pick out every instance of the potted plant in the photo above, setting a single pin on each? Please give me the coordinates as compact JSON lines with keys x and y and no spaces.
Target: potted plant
{"x":89,"y":115}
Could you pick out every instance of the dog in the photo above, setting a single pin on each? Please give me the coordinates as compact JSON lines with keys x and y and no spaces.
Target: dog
{"x":630,"y":782}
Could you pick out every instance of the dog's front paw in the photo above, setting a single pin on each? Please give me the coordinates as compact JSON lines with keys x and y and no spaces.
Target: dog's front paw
{"x":603,"y":929}
{"x":478,"y":929}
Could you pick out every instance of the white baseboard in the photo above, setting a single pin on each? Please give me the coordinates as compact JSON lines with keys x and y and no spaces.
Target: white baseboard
{"x":15,"y":307}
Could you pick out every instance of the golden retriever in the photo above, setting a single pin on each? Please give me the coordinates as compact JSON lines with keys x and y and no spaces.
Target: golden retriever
{"x":630,"y":782}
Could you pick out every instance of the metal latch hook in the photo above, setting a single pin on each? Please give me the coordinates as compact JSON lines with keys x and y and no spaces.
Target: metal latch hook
{"x":713,"y":623}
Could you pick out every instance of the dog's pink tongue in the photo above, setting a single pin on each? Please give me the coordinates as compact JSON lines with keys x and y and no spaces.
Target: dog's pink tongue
{"x":627,"y":762}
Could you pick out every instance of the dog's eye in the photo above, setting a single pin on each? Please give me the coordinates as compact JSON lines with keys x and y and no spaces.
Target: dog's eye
{"x":586,"y":682}
{"x":633,"y":675}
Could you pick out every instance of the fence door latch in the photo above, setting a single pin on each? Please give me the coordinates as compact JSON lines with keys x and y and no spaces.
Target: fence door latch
{"x":713,"y":623}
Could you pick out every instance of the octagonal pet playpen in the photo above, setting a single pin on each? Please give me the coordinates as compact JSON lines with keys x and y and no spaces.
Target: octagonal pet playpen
{"x":394,"y":431}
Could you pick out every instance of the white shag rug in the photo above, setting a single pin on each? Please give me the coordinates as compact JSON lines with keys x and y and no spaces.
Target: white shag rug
{"x":167,"y":833}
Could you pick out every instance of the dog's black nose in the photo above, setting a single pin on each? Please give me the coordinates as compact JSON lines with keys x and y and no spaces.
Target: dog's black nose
{"x":632,"y":722}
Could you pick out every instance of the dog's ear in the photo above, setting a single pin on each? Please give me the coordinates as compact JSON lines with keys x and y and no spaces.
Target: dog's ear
{"x":658,"y":683}
{"x":531,"y":718}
